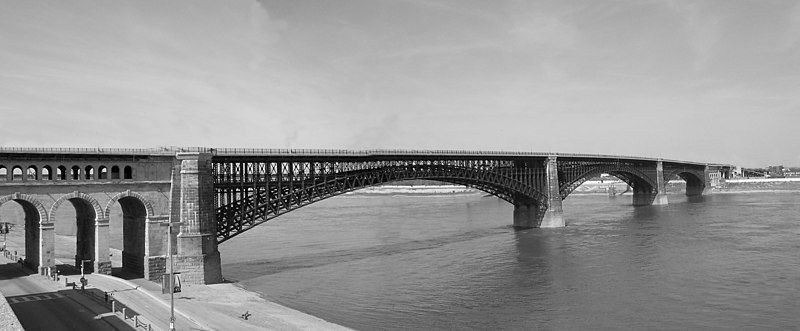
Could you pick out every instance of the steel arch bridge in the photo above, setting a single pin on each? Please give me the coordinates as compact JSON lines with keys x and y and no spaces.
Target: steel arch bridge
{"x":200,"y":197}
{"x":252,"y":187}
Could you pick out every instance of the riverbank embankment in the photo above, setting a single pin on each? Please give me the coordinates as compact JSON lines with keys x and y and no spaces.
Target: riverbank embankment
{"x":216,"y":307}
{"x":197,"y":307}
{"x":741,"y":185}
{"x":744,"y":185}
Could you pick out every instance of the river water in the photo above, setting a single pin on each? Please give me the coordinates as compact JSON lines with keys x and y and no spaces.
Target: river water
{"x":453,"y":262}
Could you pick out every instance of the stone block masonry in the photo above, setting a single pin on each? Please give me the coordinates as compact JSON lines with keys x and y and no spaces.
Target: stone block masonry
{"x":198,"y":258}
{"x":155,"y":268}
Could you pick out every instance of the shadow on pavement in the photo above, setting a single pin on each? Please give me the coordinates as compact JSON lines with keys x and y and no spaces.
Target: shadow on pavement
{"x":23,"y":305}
{"x":124,"y":274}
{"x":12,"y":270}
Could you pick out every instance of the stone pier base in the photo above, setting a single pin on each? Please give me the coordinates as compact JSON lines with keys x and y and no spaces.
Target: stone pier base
{"x":155,"y":267}
{"x":529,"y":216}
{"x":661,"y":199}
{"x":526,"y":216}
{"x":202,"y":269}
{"x":643,"y":198}
{"x":552,"y":219}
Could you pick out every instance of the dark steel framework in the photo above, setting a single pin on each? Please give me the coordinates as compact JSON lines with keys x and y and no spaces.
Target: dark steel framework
{"x":640,"y":175}
{"x":252,"y":189}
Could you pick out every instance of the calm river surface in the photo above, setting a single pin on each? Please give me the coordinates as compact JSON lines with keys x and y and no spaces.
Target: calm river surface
{"x":453,"y":262}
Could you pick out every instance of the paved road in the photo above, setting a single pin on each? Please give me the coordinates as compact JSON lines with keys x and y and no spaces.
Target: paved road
{"x":42,"y":304}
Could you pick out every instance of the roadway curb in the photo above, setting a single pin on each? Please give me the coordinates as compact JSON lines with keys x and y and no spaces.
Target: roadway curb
{"x":138,"y":288}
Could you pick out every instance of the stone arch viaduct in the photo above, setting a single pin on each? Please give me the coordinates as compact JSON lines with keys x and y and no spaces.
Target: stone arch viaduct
{"x":216,"y":194}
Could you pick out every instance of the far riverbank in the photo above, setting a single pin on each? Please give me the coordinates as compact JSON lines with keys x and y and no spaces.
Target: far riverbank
{"x":741,"y":185}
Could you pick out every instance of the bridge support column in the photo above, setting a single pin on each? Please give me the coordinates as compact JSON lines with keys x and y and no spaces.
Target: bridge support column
{"x":198,"y":259}
{"x":661,"y":187}
{"x":102,"y":262}
{"x":526,"y":216}
{"x":554,"y":216}
{"x":47,"y":246}
{"x":155,"y":261}
{"x":529,"y":215}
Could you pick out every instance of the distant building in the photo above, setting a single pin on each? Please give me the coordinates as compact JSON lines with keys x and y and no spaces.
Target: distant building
{"x":791,"y":172}
{"x":754,"y":172}
{"x":775,"y":171}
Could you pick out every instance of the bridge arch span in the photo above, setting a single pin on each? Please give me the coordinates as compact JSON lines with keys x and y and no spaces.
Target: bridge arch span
{"x":93,"y":205}
{"x":239,"y":215}
{"x":35,"y":219}
{"x":695,"y":180}
{"x":136,"y":210}
{"x":638,"y":180}
{"x":88,"y":214}
{"x":38,"y":207}
{"x":148,"y":207}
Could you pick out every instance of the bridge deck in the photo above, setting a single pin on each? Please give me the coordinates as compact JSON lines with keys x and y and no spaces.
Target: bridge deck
{"x":266,"y":152}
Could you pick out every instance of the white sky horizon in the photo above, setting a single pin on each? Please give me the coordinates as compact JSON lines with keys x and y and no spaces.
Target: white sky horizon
{"x":711,"y":81}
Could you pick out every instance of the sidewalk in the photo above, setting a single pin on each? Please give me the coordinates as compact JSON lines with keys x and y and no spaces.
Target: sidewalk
{"x":206,"y":307}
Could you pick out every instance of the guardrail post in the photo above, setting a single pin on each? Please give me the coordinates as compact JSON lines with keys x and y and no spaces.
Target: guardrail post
{"x":124,"y":311}
{"x":113,"y":307}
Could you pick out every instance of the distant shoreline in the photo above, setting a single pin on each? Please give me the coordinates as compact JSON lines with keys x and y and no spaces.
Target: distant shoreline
{"x":593,"y":187}
{"x":413,"y":190}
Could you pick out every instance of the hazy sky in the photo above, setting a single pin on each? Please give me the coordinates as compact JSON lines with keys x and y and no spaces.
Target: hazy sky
{"x":692,"y":80}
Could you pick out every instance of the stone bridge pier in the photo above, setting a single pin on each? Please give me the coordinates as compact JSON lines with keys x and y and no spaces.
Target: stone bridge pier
{"x":530,"y":214}
{"x":648,"y":182}
{"x":197,"y":255}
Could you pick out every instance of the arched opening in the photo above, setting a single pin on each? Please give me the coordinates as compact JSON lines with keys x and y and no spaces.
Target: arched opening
{"x":268,"y":204}
{"x":74,"y":232}
{"x":61,"y":173}
{"x":76,"y":173}
{"x":603,"y":184}
{"x":3,"y":173}
{"x":115,"y":172}
{"x":643,"y":192}
{"x":88,"y":172}
{"x":102,"y":172}
{"x":127,"y":236}
{"x":16,"y":173}
{"x":47,"y":173}
{"x":688,"y":182}
{"x":32,"y":172}
{"x":128,"y":172}
{"x":23,"y":235}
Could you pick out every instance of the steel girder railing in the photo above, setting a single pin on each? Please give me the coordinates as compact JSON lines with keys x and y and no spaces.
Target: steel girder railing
{"x":246,"y":200}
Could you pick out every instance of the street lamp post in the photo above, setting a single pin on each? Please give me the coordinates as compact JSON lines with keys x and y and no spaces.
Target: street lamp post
{"x":171,"y":277}
{"x":83,"y":279}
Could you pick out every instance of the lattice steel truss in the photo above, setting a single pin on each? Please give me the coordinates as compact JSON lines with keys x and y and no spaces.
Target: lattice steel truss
{"x":639,"y":175}
{"x":253,"y":190}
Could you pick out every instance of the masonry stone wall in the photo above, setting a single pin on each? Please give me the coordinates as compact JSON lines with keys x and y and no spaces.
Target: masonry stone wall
{"x":97,"y":198}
